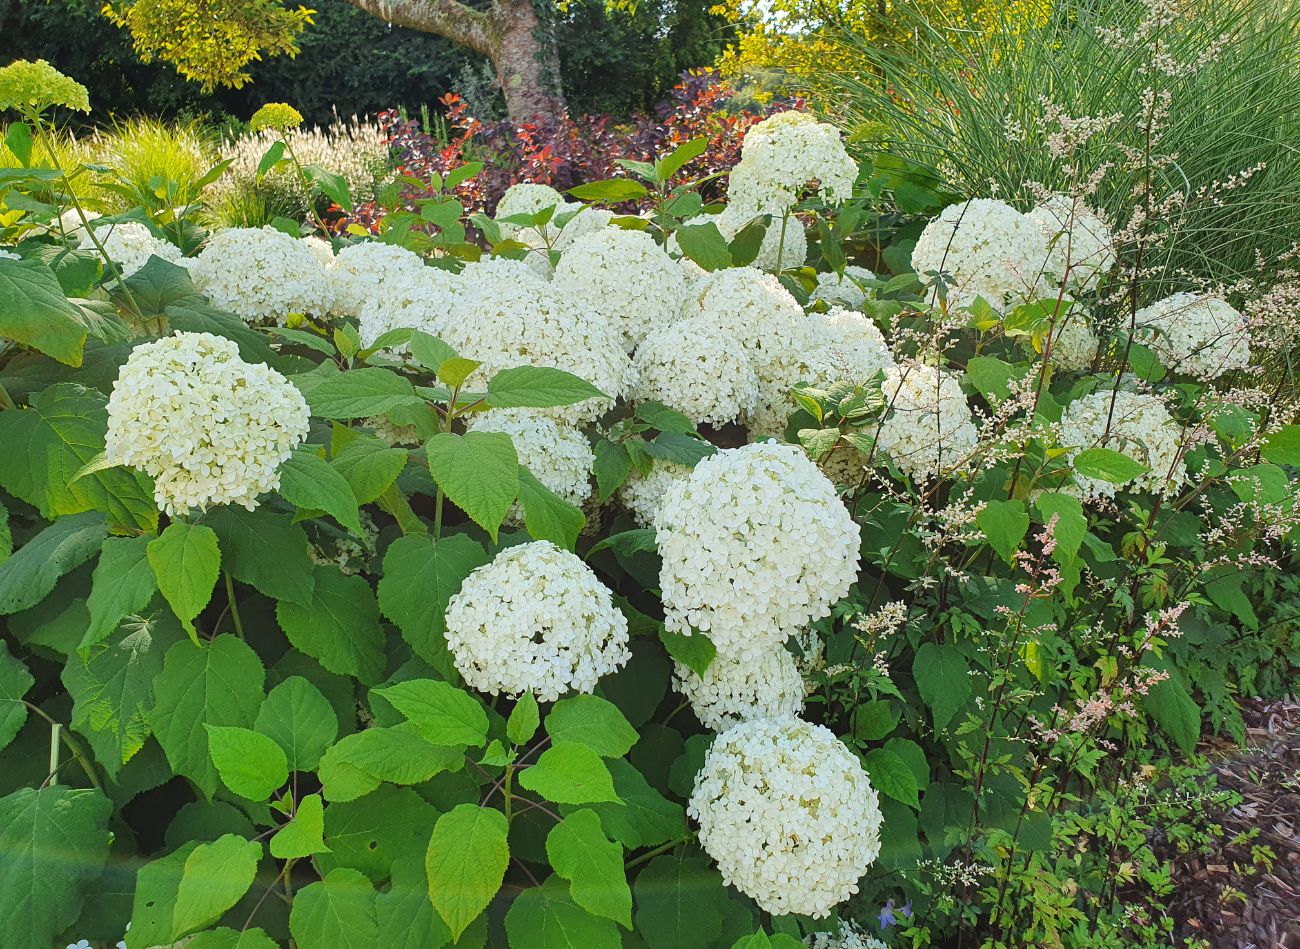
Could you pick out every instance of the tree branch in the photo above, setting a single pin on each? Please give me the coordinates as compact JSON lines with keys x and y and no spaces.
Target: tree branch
{"x":457,"y":22}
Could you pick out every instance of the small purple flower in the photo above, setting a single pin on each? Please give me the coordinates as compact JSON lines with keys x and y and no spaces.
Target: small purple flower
{"x":887,"y":917}
{"x":906,"y":910}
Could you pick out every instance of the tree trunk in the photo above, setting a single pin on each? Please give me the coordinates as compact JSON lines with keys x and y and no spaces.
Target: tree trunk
{"x":509,"y":33}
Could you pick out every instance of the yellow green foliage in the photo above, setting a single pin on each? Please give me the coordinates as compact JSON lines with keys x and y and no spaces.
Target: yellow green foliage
{"x":27,"y":86}
{"x":210,"y":41}
{"x":802,"y":37}
{"x":279,"y":116}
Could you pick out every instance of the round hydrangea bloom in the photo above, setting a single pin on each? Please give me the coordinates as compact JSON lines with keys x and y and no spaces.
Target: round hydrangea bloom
{"x":1140,"y":427}
{"x":506,"y":316}
{"x":320,"y":249}
{"x":755,"y":545}
{"x":1073,"y":345}
{"x":840,"y":346}
{"x":845,"y":466}
{"x":844,"y":290}
{"x":752,"y":308}
{"x":69,"y":223}
{"x":584,"y":221}
{"x":780,"y":250}
{"x":1077,"y":241}
{"x":849,"y":936}
{"x":362,"y":272}
{"x":642,"y":494}
{"x":259,"y":273}
{"x":929,"y":426}
{"x":694,"y":368}
{"x":785,"y":152}
{"x":625,"y":277}
{"x":732,"y":690}
{"x":788,"y":814}
{"x":986,"y":248}
{"x":209,"y":427}
{"x":1196,"y":334}
{"x":129,"y":244}
{"x":557,"y":455}
{"x":416,"y":299}
{"x":536,"y":620}
{"x":525,"y":198}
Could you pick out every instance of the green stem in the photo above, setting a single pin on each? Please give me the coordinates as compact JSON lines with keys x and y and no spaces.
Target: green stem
{"x":505,"y":791}
{"x":73,"y":747}
{"x":234,"y":607}
{"x":651,"y":854}
{"x":307,"y":183}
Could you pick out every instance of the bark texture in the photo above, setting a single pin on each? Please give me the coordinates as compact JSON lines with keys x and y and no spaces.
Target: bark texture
{"x":509,"y":34}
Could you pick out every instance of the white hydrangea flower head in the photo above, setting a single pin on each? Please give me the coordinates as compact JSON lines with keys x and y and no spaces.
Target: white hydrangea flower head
{"x":693,"y":367}
{"x":755,"y":545}
{"x":525,"y":198}
{"x":259,"y":273}
{"x":785,"y":243}
{"x":420,"y":299}
{"x":987,"y":248}
{"x":1078,"y":241}
{"x":1197,"y":334}
{"x":68,"y":224}
{"x":209,"y":427}
{"x":586,"y":220}
{"x":625,"y":277}
{"x":846,"y":289}
{"x":752,"y":308}
{"x":559,"y":456}
{"x":732,"y":690}
{"x":368,"y":271}
{"x":506,"y":316}
{"x":129,"y":244}
{"x":536,"y":620}
{"x":839,"y":346}
{"x":849,"y":936}
{"x":846,"y":466}
{"x":1139,"y":426}
{"x":1074,"y":345}
{"x":791,"y":149}
{"x":788,"y":814}
{"x":928,"y":428}
{"x":320,"y":248}
{"x":642,"y":494}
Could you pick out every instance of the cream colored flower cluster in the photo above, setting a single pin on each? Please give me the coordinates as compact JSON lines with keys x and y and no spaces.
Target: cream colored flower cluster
{"x":1074,"y":345}
{"x":368,"y":271}
{"x":780,"y":157}
{"x":535,"y":620}
{"x":1135,"y":424}
{"x":625,"y":278}
{"x":209,"y":427}
{"x":642,"y":494}
{"x":506,"y":316}
{"x":844,"y":289}
{"x":848,"y":936}
{"x":260,"y":274}
{"x":755,"y":545}
{"x":981,"y":248}
{"x":697,"y":369}
{"x":1197,"y":334}
{"x":928,"y":427}
{"x":735,"y":689}
{"x":129,"y":244}
{"x":414,"y":299}
{"x":1080,"y":246}
{"x":788,"y":814}
{"x":557,"y":455}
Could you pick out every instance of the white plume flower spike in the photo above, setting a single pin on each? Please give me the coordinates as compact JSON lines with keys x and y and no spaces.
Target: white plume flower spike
{"x":536,"y":620}
{"x":209,"y":427}
{"x":788,"y":814}
{"x":755,"y":545}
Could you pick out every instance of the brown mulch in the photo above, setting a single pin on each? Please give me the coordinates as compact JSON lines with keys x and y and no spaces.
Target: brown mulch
{"x":1266,"y":773}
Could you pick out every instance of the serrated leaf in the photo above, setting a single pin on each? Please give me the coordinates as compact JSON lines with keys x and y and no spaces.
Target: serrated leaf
{"x":643,"y":817}
{"x":53,"y":841}
{"x":1005,"y":524}
{"x":612,"y":466}
{"x":569,"y":773}
{"x":123,"y":584}
{"x":266,"y":550}
{"x":399,"y":755}
{"x":360,"y":393}
{"x":250,"y":764}
{"x":943,"y":679}
{"x":679,"y":903}
{"x":581,"y":853}
{"x":308,"y":481}
{"x":1071,"y":523}
{"x":216,"y":875}
{"x":1105,"y":464}
{"x":479,"y":472}
{"x":892,"y":776}
{"x":216,"y":684}
{"x":15,"y":680}
{"x":444,"y":714}
{"x":591,"y":721}
{"x":466,"y":862}
{"x":339,"y":627}
{"x":524,"y":719}
{"x":705,"y":245}
{"x":679,"y":449}
{"x":369,"y":466}
{"x":407,"y":920}
{"x":436,"y":568}
{"x":338,"y":912}
{"x":225,"y":938}
{"x":695,"y":651}
{"x":35,"y":312}
{"x":430,"y":351}
{"x":1283,"y":446}
{"x":186,"y":561}
{"x":297,"y":717}
{"x":546,"y":917}
{"x":547,"y":516}
{"x":373,"y":832}
{"x":30,"y":573}
{"x":304,"y":835}
{"x":612,"y":190}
